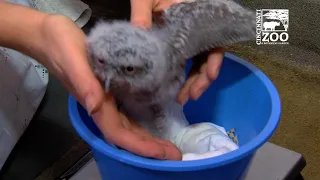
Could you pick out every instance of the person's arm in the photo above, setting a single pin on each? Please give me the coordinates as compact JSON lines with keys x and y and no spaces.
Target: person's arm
{"x":60,"y":45}
{"x":19,"y":28}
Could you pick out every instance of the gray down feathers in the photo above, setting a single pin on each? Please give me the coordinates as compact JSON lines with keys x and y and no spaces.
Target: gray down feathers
{"x":145,"y":68}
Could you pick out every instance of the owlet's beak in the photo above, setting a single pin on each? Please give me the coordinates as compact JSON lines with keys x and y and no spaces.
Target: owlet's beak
{"x":107,"y":82}
{"x":106,"y":85}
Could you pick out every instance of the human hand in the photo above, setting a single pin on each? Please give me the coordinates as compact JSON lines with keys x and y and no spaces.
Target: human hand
{"x":63,"y":52}
{"x":203,"y":72}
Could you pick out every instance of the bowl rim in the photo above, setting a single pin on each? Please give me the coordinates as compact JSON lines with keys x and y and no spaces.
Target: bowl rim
{"x":97,"y":144}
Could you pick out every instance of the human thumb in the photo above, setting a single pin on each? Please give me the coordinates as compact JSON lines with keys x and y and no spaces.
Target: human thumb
{"x":92,"y":94}
{"x":93,"y":101}
{"x":84,"y":86}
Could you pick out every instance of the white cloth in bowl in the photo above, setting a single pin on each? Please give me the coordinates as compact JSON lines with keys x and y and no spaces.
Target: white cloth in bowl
{"x":203,"y":140}
{"x":195,"y":141}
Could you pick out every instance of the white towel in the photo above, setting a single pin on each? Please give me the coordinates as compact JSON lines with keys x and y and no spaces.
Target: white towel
{"x":203,"y":140}
{"x":196,"y":141}
{"x":76,"y":10}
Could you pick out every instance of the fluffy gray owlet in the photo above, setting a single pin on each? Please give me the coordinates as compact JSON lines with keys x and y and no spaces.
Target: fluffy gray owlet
{"x":144,"y":69}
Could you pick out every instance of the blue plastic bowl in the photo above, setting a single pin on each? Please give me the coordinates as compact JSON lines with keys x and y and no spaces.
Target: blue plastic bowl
{"x":242,"y":97}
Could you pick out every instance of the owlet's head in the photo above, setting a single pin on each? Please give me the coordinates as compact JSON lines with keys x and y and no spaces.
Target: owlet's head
{"x":126,"y":58}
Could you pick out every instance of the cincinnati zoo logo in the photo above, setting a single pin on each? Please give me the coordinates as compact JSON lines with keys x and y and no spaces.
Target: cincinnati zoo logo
{"x":272,"y":26}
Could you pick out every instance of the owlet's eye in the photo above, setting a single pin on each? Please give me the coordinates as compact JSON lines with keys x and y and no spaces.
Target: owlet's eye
{"x":101,"y":61}
{"x":129,"y":70}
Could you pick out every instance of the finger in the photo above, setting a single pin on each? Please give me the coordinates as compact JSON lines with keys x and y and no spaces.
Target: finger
{"x":81,"y":81}
{"x":198,"y":61}
{"x":70,"y":64}
{"x":147,"y":147}
{"x":160,"y":5}
{"x":171,"y":151}
{"x":120,"y":135}
{"x":108,"y":118}
{"x":90,"y":93}
{"x":183,"y":95}
{"x":214,"y":63}
{"x":141,"y":13}
{"x":201,"y":83}
{"x":140,"y":145}
{"x":109,"y":122}
{"x":137,"y":128}
{"x":208,"y":73}
{"x":199,"y":86}
{"x":143,"y":144}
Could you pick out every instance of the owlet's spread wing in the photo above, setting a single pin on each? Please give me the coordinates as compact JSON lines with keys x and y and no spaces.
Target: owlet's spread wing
{"x":195,"y":26}
{"x":157,"y":56}
{"x":150,"y":64}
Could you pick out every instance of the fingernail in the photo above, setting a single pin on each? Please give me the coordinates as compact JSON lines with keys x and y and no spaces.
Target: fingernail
{"x":200,"y":91}
{"x":89,"y":102}
{"x":184,"y":100}
{"x":140,"y":24}
{"x":164,"y":157}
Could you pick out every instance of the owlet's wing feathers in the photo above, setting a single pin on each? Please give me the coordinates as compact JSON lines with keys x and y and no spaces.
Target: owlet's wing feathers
{"x":200,"y":25}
